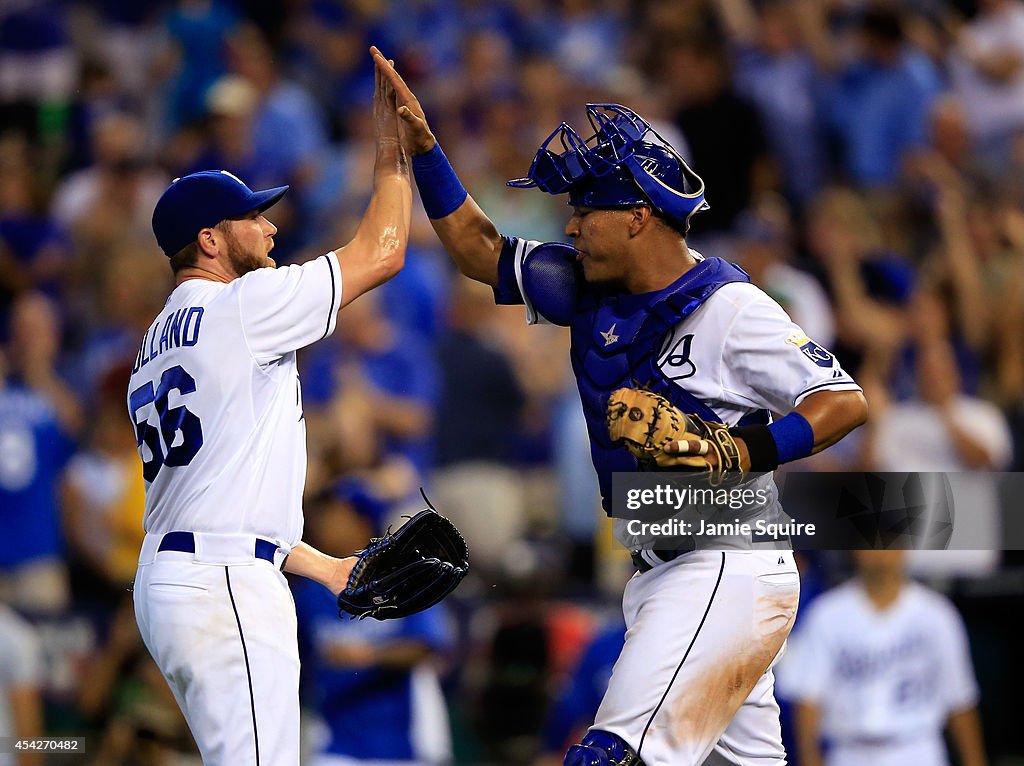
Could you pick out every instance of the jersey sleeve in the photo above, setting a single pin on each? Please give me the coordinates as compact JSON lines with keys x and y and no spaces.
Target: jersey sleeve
{"x":510,"y":290}
{"x":959,"y":689}
{"x":287,"y":308}
{"x":769,"y":362}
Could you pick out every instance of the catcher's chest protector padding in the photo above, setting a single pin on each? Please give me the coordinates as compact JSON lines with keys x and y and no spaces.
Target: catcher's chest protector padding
{"x":615,"y":340}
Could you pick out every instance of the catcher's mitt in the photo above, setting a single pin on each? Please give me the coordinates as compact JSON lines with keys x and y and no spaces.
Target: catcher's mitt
{"x":406,"y":571}
{"x":645,"y":422}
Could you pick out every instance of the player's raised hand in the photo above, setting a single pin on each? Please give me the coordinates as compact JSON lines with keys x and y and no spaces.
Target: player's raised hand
{"x":385,"y":117}
{"x":414,"y":130}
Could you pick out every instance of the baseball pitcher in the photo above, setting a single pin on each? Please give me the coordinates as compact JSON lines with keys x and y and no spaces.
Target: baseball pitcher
{"x":217,"y":409}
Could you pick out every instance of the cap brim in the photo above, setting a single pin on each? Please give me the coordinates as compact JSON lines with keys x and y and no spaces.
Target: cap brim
{"x":267,"y":198}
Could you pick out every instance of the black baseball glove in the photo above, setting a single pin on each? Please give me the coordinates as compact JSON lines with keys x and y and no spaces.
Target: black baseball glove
{"x":406,"y":571}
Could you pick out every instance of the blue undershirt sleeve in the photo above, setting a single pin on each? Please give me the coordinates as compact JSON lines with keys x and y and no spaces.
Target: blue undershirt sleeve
{"x":507,"y":293}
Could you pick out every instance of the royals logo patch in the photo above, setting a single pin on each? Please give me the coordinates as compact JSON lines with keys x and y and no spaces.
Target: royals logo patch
{"x":817,"y":354}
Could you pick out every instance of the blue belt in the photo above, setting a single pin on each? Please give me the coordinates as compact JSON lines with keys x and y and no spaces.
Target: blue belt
{"x":185,"y":542}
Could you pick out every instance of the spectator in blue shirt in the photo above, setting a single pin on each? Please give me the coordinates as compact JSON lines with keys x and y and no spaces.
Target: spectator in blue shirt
{"x":38,"y":416}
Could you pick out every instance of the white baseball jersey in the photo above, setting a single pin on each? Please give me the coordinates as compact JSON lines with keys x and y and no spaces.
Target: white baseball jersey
{"x":772,"y":364}
{"x":886,"y":681}
{"x":216,"y":403}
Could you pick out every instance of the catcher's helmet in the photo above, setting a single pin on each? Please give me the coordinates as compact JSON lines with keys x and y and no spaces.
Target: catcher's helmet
{"x":624,"y":163}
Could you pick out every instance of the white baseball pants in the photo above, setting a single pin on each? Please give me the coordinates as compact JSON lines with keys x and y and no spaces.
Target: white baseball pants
{"x":221,"y":626}
{"x":693,"y":684}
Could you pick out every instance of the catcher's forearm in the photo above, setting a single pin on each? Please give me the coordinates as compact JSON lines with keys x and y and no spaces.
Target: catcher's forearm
{"x":306,"y":561}
{"x":833,"y":414}
{"x":817,"y":423}
{"x":471,"y":240}
{"x":653,"y":429}
{"x":466,"y":232}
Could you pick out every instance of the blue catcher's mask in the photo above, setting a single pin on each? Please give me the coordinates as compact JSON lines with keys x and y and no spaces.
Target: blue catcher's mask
{"x":624,"y":163}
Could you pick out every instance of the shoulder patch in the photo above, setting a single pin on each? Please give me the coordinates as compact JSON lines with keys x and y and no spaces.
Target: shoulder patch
{"x":817,"y":354}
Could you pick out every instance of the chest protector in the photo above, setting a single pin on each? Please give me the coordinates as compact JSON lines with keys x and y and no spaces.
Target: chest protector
{"x":616,"y":342}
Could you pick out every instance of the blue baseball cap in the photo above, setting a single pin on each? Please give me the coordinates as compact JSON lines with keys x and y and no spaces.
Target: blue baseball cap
{"x":201,"y":200}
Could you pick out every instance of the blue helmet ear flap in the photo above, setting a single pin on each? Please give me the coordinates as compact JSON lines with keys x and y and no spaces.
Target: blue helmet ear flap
{"x":673,"y":188}
{"x":653,"y":174}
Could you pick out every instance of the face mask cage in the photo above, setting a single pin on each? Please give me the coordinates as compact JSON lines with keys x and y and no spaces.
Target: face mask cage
{"x":554,"y":172}
{"x":617,"y":130}
{"x":618,"y":133}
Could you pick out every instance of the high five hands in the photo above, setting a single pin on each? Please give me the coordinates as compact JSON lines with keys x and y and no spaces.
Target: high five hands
{"x":385,"y":118}
{"x":413,"y":128}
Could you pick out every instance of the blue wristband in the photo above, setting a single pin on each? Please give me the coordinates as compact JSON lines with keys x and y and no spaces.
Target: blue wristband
{"x":794,"y":437}
{"x":440,"y":189}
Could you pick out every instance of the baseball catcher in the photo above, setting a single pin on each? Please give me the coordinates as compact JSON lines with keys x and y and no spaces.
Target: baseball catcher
{"x":406,"y":571}
{"x":641,"y":305}
{"x":647,"y":424}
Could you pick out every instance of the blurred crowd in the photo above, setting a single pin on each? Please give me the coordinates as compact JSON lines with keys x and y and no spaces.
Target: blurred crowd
{"x":864,"y":163}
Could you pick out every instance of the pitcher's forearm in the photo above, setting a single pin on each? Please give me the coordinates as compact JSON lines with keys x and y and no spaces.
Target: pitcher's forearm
{"x":377,"y":250}
{"x":306,"y":561}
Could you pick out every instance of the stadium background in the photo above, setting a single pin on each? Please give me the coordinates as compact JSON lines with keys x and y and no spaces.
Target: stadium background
{"x":865,"y":163}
